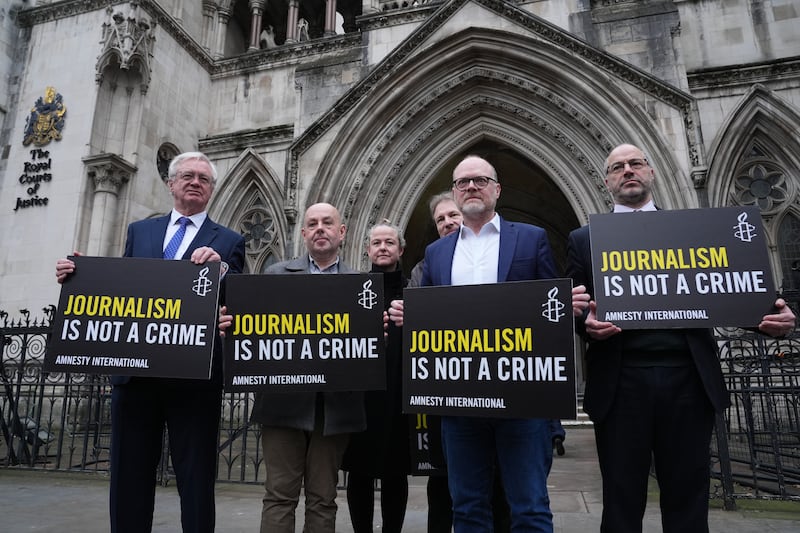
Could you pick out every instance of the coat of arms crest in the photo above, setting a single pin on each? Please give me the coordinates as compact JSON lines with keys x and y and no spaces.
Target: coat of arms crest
{"x":46,"y":120}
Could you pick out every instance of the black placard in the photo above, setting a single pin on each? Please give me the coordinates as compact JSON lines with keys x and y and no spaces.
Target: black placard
{"x":136,"y":317}
{"x":689,"y":268}
{"x":501,"y":350}
{"x":305,"y":332}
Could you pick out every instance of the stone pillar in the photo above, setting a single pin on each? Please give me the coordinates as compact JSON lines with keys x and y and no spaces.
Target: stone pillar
{"x":224,"y":15}
{"x":330,"y":18}
{"x":209,"y":7}
{"x":108,"y":173}
{"x":291,"y":21}
{"x":256,"y":10}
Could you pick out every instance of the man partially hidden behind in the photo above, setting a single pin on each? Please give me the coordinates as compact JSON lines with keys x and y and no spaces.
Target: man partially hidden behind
{"x":650,"y":393}
{"x":304,"y":435}
{"x":140,"y":406}
{"x":488,"y":249}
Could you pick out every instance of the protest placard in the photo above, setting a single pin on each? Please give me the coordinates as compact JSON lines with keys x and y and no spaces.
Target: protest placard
{"x":136,"y":317}
{"x":420,"y":430}
{"x":691,"y":268}
{"x":305,"y":333}
{"x":501,"y":350}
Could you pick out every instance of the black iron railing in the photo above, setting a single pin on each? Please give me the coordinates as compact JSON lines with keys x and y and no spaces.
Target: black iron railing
{"x":61,"y":421}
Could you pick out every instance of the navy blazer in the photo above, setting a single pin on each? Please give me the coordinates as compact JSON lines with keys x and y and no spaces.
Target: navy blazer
{"x":524,"y":255}
{"x":604,"y":358}
{"x":146,"y":239}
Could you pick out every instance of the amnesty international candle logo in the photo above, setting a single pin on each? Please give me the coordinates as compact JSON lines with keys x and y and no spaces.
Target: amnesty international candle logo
{"x":202,"y":285}
{"x":553,"y":307}
{"x":305,"y":333}
{"x":688,"y":268}
{"x":367,"y":298}
{"x":145,"y":317}
{"x":497,"y":350}
{"x":744,"y":230}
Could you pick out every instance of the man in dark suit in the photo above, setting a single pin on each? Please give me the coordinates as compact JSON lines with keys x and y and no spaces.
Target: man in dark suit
{"x":488,"y":249}
{"x":304,"y":435}
{"x":650,"y":393}
{"x":190,"y":408}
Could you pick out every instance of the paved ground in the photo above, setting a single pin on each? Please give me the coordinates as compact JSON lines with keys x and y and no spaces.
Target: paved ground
{"x":77,"y":503}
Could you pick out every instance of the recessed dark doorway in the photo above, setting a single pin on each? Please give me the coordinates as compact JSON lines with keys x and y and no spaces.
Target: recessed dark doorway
{"x":528,"y":195}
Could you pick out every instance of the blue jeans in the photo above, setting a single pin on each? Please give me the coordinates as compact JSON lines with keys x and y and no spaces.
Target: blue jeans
{"x":524,"y":451}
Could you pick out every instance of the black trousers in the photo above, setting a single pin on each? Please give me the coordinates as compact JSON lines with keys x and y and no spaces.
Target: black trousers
{"x":361,"y":502}
{"x":140,"y":409}
{"x":661,"y":414}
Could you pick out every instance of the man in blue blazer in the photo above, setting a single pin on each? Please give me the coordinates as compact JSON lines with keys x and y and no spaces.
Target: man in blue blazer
{"x":488,"y":249}
{"x":650,"y":393}
{"x":140,"y":407}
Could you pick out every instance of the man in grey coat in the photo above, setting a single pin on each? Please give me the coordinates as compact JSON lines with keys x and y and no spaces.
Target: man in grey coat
{"x":304,"y":435}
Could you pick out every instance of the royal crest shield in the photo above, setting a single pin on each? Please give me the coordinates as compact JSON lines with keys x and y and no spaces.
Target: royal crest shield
{"x":46,"y":120}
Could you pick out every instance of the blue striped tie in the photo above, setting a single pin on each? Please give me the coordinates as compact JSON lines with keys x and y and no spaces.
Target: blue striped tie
{"x":175,"y":242}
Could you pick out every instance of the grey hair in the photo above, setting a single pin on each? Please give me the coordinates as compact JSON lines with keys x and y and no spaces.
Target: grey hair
{"x":187,"y":156}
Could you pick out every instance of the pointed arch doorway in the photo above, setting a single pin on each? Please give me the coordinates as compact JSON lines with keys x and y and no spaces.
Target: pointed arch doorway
{"x":528,"y":195}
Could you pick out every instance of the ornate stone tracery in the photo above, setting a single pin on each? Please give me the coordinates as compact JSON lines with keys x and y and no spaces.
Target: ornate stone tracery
{"x":127,"y":41}
{"x":760,"y":181}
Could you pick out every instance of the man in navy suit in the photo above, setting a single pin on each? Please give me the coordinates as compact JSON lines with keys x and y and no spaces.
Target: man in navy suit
{"x":650,"y":393}
{"x":140,"y":407}
{"x":488,"y":249}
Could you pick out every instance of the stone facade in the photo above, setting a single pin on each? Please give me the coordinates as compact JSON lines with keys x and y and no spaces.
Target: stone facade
{"x":373,"y":109}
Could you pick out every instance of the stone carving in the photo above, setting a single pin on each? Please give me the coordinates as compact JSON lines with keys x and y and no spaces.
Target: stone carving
{"x":302,"y":30}
{"x":267,"y":38}
{"x":129,"y":38}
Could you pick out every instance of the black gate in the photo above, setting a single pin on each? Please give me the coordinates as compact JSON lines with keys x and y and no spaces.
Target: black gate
{"x":62,"y":421}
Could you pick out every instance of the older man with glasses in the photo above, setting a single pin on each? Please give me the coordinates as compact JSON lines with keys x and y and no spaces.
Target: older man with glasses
{"x":141,"y":407}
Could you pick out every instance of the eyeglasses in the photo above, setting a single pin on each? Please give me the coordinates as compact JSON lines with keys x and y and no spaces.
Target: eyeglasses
{"x":190,"y":176}
{"x":480,"y":182}
{"x":619,"y":166}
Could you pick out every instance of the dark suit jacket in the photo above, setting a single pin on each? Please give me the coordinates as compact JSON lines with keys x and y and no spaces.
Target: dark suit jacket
{"x":524,"y":255}
{"x":344,"y":411}
{"x":146,"y":239}
{"x":604,"y":358}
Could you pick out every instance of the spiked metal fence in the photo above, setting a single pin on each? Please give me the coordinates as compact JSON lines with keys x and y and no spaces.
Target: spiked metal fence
{"x":61,"y":421}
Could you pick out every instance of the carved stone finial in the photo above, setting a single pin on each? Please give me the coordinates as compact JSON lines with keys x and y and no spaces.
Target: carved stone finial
{"x":127,"y":37}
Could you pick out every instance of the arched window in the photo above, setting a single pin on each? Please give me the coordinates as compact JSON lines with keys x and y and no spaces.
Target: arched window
{"x":760,"y":181}
{"x":260,"y":235}
{"x":789,"y":252}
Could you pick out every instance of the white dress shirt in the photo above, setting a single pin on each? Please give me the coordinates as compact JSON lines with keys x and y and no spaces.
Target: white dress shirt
{"x":476,"y":256}
{"x":649,"y":206}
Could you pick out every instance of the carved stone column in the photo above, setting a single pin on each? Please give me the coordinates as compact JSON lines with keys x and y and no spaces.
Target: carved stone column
{"x":330,"y":18}
{"x":108,"y":173}
{"x":224,"y":15}
{"x":208,"y":37}
{"x":291,"y":21}
{"x":256,"y":10}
